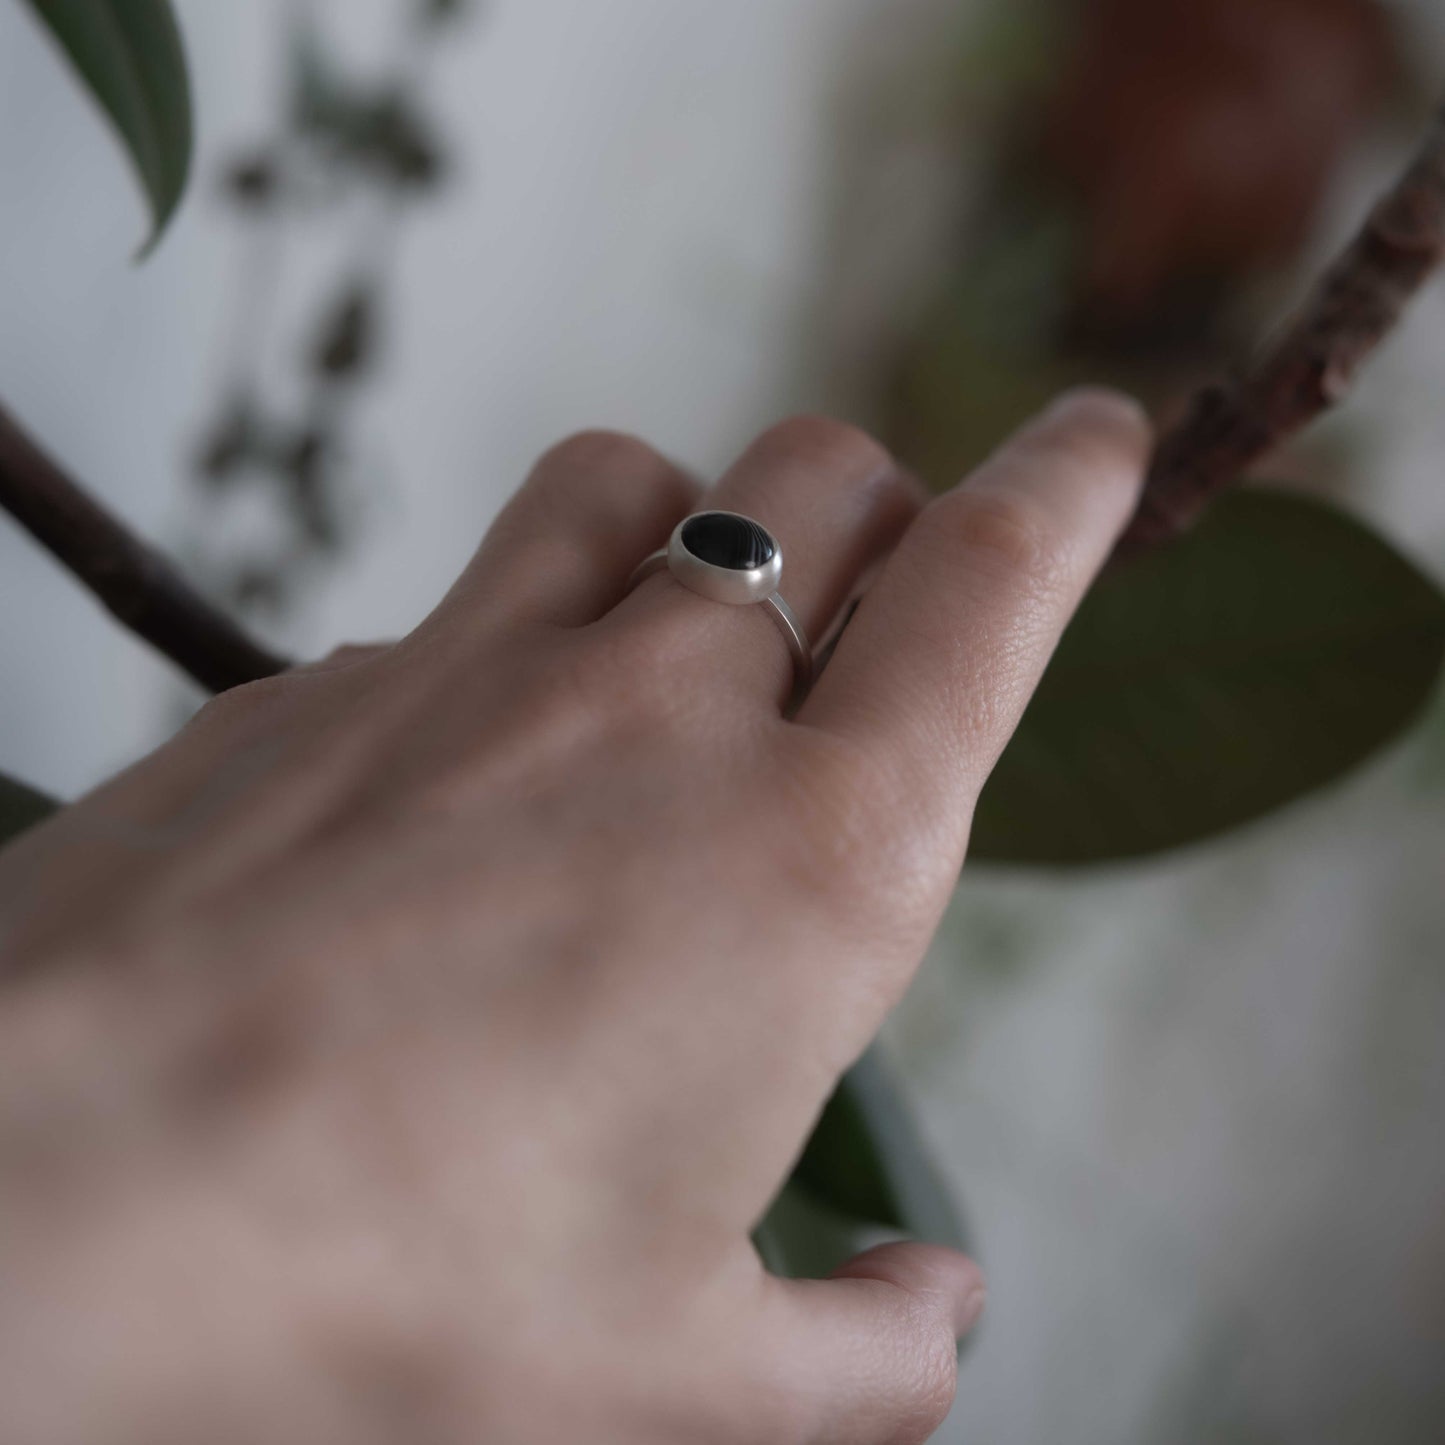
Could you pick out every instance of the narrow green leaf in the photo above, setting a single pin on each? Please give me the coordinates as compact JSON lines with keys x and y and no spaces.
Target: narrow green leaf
{"x":864,"y":1174}
{"x":21,"y":807}
{"x":129,"y":54}
{"x":799,"y":1238}
{"x":867,"y":1163}
{"x":1209,"y":682}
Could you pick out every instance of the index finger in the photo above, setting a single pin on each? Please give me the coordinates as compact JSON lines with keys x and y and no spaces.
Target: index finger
{"x":940,"y":659}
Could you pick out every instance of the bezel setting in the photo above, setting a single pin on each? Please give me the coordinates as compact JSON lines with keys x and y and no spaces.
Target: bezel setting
{"x":735,"y":585}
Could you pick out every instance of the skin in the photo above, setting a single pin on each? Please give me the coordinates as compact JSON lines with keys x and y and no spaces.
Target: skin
{"x":406,"y":1049}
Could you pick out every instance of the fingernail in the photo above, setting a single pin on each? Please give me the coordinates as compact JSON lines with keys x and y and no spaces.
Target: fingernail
{"x":1098,"y":399}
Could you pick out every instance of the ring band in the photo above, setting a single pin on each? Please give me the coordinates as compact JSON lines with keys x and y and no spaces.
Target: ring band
{"x":731,"y":558}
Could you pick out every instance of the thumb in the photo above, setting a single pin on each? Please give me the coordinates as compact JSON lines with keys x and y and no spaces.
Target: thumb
{"x":875,"y":1347}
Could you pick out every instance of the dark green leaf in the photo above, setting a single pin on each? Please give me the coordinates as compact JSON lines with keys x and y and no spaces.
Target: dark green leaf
{"x":865,"y":1173}
{"x":802,"y":1239}
{"x":379,"y":130}
{"x":129,"y":54}
{"x":441,"y":12}
{"x":319,"y":95}
{"x":867,"y":1161}
{"x":253,"y":181}
{"x":21,"y":807}
{"x":1210,"y":681}
{"x":235,"y":439}
{"x":347,"y":338}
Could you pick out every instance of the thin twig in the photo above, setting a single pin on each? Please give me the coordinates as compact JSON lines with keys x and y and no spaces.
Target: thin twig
{"x":1312,"y":363}
{"x":135,"y":582}
{"x":1304,"y":371}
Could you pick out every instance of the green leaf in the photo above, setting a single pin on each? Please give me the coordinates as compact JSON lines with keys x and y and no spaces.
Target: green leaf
{"x":128,"y":52}
{"x":799,"y":1238}
{"x":21,"y":807}
{"x":865,"y":1170}
{"x":378,"y":129}
{"x":1208,"y":682}
{"x":866,"y":1165}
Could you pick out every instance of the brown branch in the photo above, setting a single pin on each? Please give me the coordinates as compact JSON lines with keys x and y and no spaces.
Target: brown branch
{"x":135,"y":582}
{"x":1312,"y":363}
{"x":1302,"y":372}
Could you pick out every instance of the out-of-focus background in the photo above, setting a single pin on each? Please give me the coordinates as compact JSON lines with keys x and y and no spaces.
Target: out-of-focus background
{"x":1193,"y":1106}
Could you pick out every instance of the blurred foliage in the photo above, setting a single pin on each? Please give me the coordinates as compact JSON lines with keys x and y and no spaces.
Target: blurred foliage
{"x":1155,"y":175}
{"x":867,"y":1161}
{"x":803,"y":1238}
{"x":1196,"y":142}
{"x":1430,"y":770}
{"x":353,"y":153}
{"x":865,"y":1171}
{"x":1207,"y":683}
{"x":376,"y":129}
{"x":21,"y":807}
{"x":129,"y":55}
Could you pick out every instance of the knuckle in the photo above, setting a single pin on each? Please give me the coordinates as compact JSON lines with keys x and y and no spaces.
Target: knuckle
{"x":910,"y":488}
{"x":341,"y":658}
{"x":1003,"y":532}
{"x":349,"y":653}
{"x":890,"y":498}
{"x":596,"y":449}
{"x":825,"y":441}
{"x":1097,"y":438}
{"x":1078,"y":452}
{"x":248,"y":701}
{"x":1102,"y":420}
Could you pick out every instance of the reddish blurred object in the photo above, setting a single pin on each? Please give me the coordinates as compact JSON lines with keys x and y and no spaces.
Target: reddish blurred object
{"x":1198,"y":137}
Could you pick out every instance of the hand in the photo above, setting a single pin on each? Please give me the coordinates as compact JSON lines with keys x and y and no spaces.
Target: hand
{"x":406,"y":1049}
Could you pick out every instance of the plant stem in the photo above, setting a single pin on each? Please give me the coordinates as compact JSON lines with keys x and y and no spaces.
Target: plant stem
{"x":1312,"y":362}
{"x":136,"y":583}
{"x":1303,"y":371}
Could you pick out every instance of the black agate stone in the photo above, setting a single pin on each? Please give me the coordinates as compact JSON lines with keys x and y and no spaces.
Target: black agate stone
{"x":728,"y":541}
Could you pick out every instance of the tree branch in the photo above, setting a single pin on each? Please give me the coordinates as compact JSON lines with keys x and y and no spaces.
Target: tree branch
{"x":134,"y":581}
{"x":1306,"y":369}
{"x":1312,"y":363}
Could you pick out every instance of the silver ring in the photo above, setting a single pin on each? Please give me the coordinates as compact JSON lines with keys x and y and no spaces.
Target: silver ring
{"x":731,"y":558}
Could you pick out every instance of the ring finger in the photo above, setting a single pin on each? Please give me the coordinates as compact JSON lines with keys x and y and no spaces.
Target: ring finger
{"x":834,"y":500}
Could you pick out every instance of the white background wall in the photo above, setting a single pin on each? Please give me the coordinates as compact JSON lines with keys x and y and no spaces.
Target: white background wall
{"x":629,"y":243}
{"x":1196,"y":1114}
